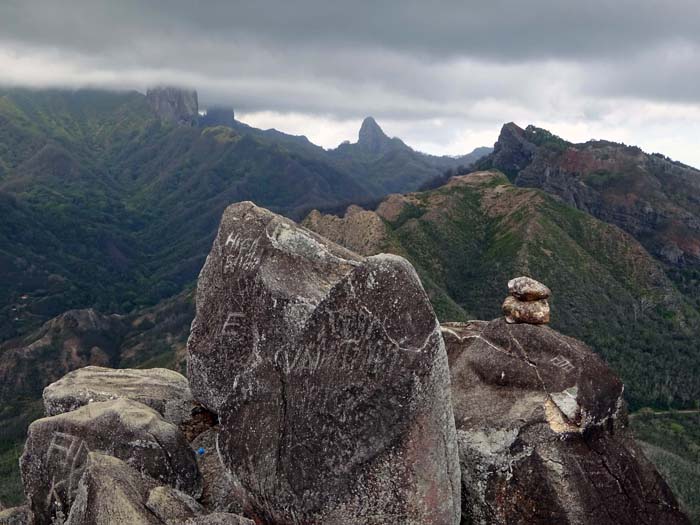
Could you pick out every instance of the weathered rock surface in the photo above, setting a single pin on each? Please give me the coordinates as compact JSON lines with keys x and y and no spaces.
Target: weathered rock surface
{"x":165,"y":391}
{"x":175,"y":105}
{"x":219,"y":518}
{"x":57,"y":449}
{"x":359,"y":230}
{"x":528,"y":289}
{"x":531,"y":312}
{"x":218,"y":490}
{"x":541,"y":430}
{"x":16,"y":516}
{"x":331,"y":386}
{"x":109,"y":492}
{"x":173,"y":506}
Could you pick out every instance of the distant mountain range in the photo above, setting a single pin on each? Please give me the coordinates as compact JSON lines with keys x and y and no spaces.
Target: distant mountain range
{"x":111,"y":200}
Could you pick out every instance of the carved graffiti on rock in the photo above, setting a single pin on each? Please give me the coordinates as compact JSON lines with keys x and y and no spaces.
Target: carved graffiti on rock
{"x":69,"y":454}
{"x":562,"y":362}
{"x":243,"y":254}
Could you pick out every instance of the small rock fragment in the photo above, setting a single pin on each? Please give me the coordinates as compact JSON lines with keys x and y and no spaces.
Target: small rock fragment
{"x":531,"y":312}
{"x":173,"y":506}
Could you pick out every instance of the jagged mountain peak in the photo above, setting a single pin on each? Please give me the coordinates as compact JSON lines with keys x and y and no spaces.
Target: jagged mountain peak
{"x":372,"y":136}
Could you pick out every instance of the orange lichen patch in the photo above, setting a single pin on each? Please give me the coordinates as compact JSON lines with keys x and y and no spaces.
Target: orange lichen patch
{"x":557,"y":421}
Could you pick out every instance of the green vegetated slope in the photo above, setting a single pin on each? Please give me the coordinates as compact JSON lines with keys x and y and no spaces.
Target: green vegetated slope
{"x":468,"y":238}
{"x":671,"y":440}
{"x":650,"y":196}
{"x":105,"y":205}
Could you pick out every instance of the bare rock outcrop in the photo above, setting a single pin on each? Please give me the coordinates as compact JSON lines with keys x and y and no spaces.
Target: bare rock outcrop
{"x":110,"y":491}
{"x":174,"y":105}
{"x":361,"y":231}
{"x":329,"y":376}
{"x":165,"y":391}
{"x":57,"y":449}
{"x":218,"y":490}
{"x":541,"y":429}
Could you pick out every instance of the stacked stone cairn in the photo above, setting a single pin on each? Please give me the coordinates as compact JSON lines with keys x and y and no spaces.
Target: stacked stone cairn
{"x":526,"y":302}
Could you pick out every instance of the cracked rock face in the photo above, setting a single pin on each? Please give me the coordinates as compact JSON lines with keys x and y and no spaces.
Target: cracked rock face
{"x":541,"y":431}
{"x":56,"y":452}
{"x":329,"y":376}
{"x":165,"y":391}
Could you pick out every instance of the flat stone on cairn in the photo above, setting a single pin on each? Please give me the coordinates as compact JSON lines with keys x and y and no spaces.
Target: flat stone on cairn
{"x":527,"y":302}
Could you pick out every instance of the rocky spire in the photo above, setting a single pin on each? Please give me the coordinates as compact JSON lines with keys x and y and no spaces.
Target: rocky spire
{"x":175,"y":105}
{"x":371,"y":136}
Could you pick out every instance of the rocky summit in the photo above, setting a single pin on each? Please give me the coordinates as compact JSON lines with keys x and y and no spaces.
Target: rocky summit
{"x":541,"y":425}
{"x":321,"y":389}
{"x":332,"y":389}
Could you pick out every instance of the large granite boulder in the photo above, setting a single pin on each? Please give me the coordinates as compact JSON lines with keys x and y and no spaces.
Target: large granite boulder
{"x":329,"y":375}
{"x":165,"y":391}
{"x":57,"y":448}
{"x":541,"y":429}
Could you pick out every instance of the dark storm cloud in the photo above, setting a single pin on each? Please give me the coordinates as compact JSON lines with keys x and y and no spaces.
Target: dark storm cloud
{"x":432,"y":65}
{"x":497,"y":29}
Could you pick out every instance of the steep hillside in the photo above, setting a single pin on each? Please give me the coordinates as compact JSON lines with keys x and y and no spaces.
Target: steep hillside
{"x":111,"y":200}
{"x":651,"y":197}
{"x":469,"y":237}
{"x":672,"y":441}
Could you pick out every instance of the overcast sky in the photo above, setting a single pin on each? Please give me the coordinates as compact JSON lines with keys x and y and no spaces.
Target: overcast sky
{"x":444,"y":76}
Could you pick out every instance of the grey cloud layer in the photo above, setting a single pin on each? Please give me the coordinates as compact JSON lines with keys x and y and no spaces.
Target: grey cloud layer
{"x":481,"y":62}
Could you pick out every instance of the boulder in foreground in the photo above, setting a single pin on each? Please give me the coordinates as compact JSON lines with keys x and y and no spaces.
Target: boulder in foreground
{"x":541,"y":429}
{"x":329,"y":375}
{"x":57,"y":448}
